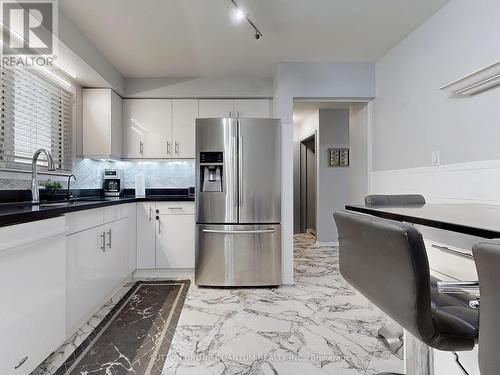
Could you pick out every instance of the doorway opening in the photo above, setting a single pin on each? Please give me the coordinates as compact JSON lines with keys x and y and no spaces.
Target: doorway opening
{"x":308,"y":184}
{"x":324,"y":182}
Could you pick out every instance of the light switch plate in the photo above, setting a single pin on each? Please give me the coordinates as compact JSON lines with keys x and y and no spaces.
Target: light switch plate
{"x":436,"y":157}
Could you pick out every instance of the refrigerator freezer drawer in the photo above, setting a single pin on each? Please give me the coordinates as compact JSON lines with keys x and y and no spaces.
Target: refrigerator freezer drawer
{"x":238,"y":255}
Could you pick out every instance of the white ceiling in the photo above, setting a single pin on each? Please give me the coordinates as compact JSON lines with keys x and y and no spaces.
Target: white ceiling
{"x":187,"y":38}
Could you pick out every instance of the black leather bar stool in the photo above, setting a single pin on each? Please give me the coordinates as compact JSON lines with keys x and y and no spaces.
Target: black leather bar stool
{"x":487,"y":258}
{"x":386,"y":261}
{"x":391,"y":334}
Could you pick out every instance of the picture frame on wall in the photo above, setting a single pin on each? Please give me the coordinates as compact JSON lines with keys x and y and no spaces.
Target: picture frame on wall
{"x":338,"y":157}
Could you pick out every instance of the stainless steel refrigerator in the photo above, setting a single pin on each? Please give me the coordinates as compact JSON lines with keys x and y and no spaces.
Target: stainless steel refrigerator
{"x":238,"y":202}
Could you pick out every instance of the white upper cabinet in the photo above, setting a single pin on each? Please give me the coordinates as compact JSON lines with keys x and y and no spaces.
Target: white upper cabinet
{"x":255,"y":108}
{"x":214,"y":108}
{"x":184,"y":114}
{"x":148,"y":128}
{"x":102,"y":124}
{"x":159,"y":128}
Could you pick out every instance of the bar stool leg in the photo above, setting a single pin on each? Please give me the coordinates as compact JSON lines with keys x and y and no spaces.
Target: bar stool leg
{"x":418,"y":356}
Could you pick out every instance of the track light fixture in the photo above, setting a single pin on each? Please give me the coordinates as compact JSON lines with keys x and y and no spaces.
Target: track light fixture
{"x":239,"y":15}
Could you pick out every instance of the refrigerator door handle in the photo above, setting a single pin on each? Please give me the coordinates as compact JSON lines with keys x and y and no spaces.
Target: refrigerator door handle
{"x":240,"y":169}
{"x":252,"y":231}
{"x":235,"y":172}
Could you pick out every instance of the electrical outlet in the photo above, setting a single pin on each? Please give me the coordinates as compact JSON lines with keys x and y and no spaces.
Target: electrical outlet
{"x":436,"y":157}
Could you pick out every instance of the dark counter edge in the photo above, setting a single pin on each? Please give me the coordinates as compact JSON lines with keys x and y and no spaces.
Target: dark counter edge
{"x":478,"y":232}
{"x":48,"y":213}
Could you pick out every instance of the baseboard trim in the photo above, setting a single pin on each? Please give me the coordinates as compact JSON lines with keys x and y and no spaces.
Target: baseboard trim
{"x":165,"y":273}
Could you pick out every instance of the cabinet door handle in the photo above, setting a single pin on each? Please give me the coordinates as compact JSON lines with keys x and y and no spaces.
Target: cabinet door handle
{"x":157,"y":210}
{"x":159,"y":224}
{"x":150,"y":213}
{"x":141,"y":148}
{"x":21,"y":362}
{"x":103,"y":239}
{"x":168,"y":148}
{"x":238,"y":113}
{"x":109,"y":234}
{"x":175,"y":208}
{"x":230,"y":114}
{"x":177,"y":147}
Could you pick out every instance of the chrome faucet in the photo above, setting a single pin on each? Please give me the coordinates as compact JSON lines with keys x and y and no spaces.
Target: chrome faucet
{"x":35,"y":194}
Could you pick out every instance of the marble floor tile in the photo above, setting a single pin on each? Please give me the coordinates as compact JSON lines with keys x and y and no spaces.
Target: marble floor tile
{"x":320,"y":325}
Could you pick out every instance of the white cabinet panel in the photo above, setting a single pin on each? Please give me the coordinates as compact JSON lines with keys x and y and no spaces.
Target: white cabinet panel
{"x":116,"y":125}
{"x":116,"y":212}
{"x":175,"y":241}
{"x":81,"y":220}
{"x":102,"y":123}
{"x":165,"y":235}
{"x":132,"y":236}
{"x":146,"y":256}
{"x":32,"y":289}
{"x":210,"y":108}
{"x":116,"y":254}
{"x":184,"y":114}
{"x":148,"y":128}
{"x":174,"y":208}
{"x":254,"y":108}
{"x":85,"y":270}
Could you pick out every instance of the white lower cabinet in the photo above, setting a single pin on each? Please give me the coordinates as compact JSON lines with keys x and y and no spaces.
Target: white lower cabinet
{"x":175,"y":241}
{"x":97,"y":263}
{"x":146,"y":254}
{"x":165,"y":235}
{"x":32,"y":289}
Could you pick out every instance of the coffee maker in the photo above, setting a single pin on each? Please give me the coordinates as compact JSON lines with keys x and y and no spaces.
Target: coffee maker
{"x":112,"y":182}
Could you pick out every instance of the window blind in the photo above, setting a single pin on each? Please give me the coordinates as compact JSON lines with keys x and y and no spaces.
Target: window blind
{"x":34,"y":114}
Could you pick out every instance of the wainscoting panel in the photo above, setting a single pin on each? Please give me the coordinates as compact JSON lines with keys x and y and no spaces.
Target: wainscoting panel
{"x":472,"y":182}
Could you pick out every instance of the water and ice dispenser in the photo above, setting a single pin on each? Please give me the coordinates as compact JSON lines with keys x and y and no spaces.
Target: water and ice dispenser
{"x":211,"y":171}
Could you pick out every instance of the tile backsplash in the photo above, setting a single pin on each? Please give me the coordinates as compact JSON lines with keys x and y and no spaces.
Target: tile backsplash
{"x":88,"y":172}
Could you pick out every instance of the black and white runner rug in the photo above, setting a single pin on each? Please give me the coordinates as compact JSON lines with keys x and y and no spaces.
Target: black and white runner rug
{"x":135,"y":336}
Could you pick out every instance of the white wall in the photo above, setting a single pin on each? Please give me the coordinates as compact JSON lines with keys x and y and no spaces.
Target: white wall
{"x":298,"y":80}
{"x":360,"y":152}
{"x":207,"y":87}
{"x":333,"y":182}
{"x":74,"y":39}
{"x":412,"y":117}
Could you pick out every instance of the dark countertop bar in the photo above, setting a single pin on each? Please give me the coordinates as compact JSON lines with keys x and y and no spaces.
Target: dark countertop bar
{"x":22,"y":212}
{"x":480,"y":220}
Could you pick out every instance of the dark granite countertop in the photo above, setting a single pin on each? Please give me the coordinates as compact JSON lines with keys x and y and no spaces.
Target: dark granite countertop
{"x":21,"y":212}
{"x":480,"y":220}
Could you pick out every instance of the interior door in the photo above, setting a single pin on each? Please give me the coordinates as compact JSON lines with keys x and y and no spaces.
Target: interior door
{"x":259,"y":169}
